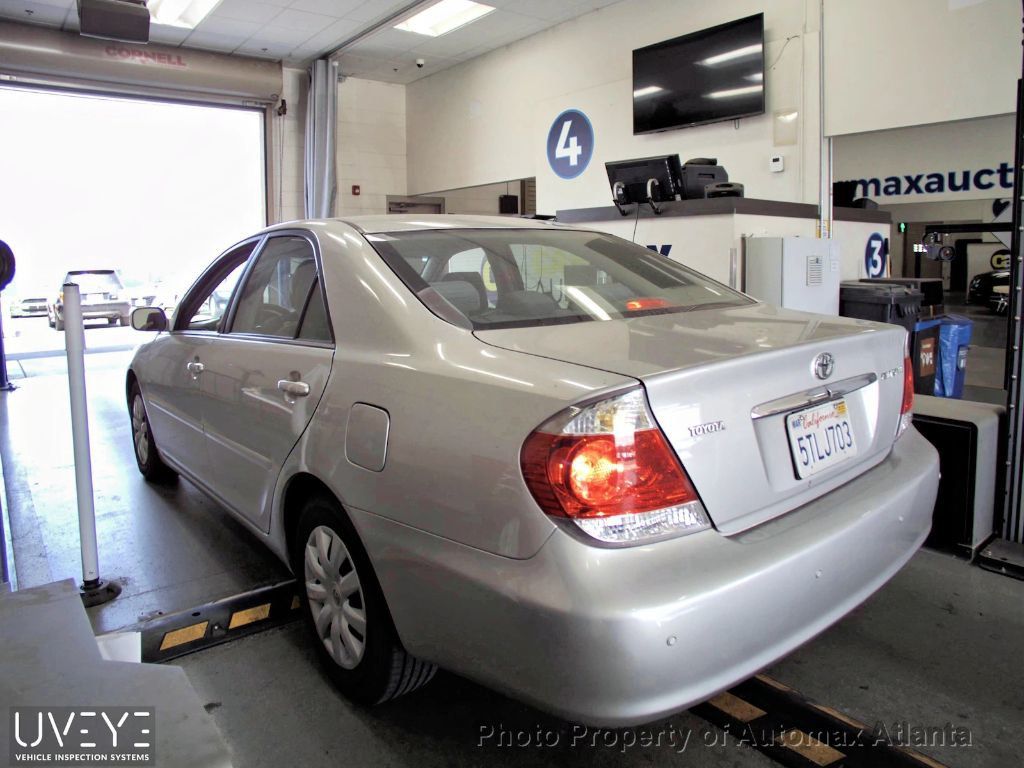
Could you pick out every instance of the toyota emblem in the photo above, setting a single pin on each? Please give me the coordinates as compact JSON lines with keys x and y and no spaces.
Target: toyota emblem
{"x":823,"y":365}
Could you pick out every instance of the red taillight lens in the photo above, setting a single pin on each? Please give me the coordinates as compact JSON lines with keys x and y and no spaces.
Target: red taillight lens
{"x":605,"y":474}
{"x":609,"y":469}
{"x":908,"y":386}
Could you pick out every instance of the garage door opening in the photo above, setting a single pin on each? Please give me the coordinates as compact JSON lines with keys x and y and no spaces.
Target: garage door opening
{"x":149,"y":190}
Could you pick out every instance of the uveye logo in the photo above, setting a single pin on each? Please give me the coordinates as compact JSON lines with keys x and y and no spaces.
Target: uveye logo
{"x":934,"y":183}
{"x":664,"y":250}
{"x":81,"y":735}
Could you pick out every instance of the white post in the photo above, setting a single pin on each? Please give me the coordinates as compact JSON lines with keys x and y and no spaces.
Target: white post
{"x":74,"y":340}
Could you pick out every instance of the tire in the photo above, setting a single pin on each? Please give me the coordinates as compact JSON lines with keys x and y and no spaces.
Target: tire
{"x":58,"y":323}
{"x":362,"y":656}
{"x":124,"y":320}
{"x":49,"y":321}
{"x":111,"y":321}
{"x":147,"y":456}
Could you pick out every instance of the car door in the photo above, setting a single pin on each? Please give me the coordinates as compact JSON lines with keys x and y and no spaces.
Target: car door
{"x":263,"y":377}
{"x":173,"y":394}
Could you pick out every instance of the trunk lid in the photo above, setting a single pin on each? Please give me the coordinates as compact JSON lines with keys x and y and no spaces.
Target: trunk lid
{"x":721,"y":383}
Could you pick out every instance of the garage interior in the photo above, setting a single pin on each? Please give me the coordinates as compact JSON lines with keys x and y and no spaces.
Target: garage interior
{"x":139,"y":146}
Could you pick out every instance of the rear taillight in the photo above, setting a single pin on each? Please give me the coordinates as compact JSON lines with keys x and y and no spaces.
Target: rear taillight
{"x":906,"y":408}
{"x":608,"y":468}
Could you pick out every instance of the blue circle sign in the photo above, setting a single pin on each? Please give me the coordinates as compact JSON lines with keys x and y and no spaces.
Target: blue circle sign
{"x":570,"y":144}
{"x":876,"y":254}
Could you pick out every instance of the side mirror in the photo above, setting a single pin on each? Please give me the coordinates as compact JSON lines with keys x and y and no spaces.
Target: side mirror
{"x":149,"y":319}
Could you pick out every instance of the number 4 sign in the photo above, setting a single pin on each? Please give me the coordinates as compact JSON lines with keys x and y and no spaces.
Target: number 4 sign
{"x":570,"y":144}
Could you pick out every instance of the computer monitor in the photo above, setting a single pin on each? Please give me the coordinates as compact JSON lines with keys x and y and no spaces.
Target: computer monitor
{"x":646,"y":180}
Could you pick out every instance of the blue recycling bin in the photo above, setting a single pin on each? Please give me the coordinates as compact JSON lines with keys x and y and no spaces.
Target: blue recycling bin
{"x":954,"y":338}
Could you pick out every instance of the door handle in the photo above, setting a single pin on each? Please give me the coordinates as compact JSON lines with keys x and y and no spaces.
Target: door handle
{"x":293,"y":388}
{"x":195,"y":367}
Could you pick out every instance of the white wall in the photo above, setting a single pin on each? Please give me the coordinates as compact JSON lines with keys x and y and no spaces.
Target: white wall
{"x":371,"y":145}
{"x":287,"y":166}
{"x":892,"y":63}
{"x":977,"y":151}
{"x":488,"y":118}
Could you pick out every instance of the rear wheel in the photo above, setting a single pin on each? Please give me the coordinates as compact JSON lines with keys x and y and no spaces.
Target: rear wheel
{"x":124,"y":320}
{"x":58,"y":323}
{"x":345,"y":610}
{"x":147,"y":457}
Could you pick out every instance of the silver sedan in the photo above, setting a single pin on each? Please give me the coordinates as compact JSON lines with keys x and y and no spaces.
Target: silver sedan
{"x":541,"y":457}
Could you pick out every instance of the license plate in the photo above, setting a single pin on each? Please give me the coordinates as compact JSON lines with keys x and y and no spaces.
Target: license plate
{"x":820,"y":437}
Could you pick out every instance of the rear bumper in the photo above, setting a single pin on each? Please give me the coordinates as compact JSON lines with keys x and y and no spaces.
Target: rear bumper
{"x":625,"y":636}
{"x":108,"y":310}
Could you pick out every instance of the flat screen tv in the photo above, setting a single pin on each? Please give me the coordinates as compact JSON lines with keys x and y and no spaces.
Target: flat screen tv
{"x":704,"y":77}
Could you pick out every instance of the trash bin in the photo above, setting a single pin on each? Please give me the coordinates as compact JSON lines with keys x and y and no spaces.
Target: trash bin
{"x":930,"y":288}
{"x":925,"y":355}
{"x":954,"y":339}
{"x":881,"y":302}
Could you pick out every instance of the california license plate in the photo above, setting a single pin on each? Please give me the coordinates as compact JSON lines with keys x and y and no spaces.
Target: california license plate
{"x":820,"y":437}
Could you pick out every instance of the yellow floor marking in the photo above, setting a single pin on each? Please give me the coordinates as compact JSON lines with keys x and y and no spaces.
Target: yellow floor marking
{"x":249,"y":615}
{"x":295,"y":603}
{"x":736,"y":707}
{"x":809,"y":747}
{"x":184,"y":635}
{"x":773,"y":683}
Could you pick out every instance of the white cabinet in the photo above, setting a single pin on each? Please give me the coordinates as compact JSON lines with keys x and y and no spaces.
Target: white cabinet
{"x":793,"y":272}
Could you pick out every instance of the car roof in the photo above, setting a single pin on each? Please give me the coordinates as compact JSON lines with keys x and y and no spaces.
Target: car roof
{"x":411,"y":223}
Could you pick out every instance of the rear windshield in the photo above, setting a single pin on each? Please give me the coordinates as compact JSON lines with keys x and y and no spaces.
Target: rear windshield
{"x":93,"y":281}
{"x":509,"y":278}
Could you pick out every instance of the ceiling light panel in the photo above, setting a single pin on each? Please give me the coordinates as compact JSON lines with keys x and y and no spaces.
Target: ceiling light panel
{"x":444,"y":17}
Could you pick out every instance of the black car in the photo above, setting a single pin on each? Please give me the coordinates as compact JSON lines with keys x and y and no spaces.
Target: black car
{"x":980,"y":289}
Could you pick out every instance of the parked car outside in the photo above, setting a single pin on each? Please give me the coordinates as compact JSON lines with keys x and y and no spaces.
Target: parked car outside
{"x":544,"y":458}
{"x":980,"y":289}
{"x":28,"y":304}
{"x":102,"y":294}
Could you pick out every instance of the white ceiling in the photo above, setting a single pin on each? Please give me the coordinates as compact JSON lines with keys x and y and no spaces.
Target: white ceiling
{"x":296,"y":31}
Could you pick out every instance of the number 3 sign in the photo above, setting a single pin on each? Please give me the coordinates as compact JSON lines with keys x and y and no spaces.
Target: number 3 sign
{"x":570,"y":144}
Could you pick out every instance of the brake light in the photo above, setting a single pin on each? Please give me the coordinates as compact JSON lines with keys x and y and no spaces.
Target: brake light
{"x":640,"y":303}
{"x":908,"y":386}
{"x":609,"y":469}
{"x":907,"y":406}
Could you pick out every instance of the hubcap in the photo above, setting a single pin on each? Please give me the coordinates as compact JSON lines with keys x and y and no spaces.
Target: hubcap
{"x":335,"y":597}
{"x":140,"y":429}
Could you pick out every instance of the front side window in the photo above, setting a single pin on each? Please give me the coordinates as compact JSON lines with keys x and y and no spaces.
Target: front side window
{"x":205,"y":304}
{"x":277,"y":289}
{"x":504,"y":278}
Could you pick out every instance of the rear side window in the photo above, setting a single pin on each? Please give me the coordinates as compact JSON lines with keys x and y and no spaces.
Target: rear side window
{"x":277,"y":288}
{"x":504,"y":278}
{"x":94,"y":282}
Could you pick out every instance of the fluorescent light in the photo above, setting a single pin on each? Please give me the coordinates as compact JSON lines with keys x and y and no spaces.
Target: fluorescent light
{"x":732,"y":93}
{"x":739,"y":53}
{"x":788,"y":117}
{"x":180,"y":13}
{"x":639,"y":93}
{"x":757,"y":77}
{"x":443,"y":17}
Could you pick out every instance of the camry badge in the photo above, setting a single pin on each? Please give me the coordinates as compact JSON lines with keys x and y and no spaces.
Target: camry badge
{"x":823,"y":365}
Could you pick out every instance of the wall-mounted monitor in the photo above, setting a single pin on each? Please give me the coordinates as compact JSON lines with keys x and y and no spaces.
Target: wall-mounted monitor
{"x":704,"y":77}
